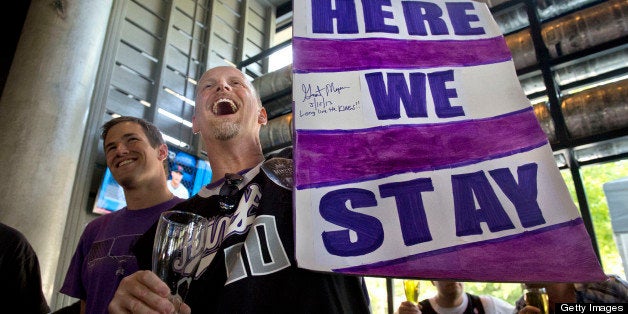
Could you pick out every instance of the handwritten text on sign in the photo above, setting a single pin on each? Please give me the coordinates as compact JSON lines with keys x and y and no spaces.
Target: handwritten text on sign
{"x":320,"y":99}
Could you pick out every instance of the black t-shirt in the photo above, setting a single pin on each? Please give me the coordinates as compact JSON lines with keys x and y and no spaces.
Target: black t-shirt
{"x":20,"y":279}
{"x":253,"y":270}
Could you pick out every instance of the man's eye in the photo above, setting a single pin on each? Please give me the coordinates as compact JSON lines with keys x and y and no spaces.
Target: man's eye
{"x":110,"y":149}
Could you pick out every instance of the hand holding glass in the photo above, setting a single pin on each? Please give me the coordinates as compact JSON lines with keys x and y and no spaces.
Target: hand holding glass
{"x":537,"y":297}
{"x":179,"y":242}
{"x":411,"y":288}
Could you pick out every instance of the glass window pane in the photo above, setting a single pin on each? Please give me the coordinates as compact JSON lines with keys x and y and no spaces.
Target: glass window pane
{"x":566,"y":173}
{"x":594,"y":176}
{"x":280,"y":59}
{"x":377,"y":294}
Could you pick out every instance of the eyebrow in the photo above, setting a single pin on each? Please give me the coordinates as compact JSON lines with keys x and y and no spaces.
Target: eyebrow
{"x":125,"y":136}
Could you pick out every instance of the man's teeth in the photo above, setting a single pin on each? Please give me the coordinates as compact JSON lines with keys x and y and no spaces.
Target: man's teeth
{"x":128,"y":161}
{"x":216,"y":107}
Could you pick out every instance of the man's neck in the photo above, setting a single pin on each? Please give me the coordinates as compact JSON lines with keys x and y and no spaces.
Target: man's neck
{"x":145,"y":198}
{"x":228,"y":158}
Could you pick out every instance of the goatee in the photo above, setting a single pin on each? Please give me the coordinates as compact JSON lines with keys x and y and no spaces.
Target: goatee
{"x":226,"y":131}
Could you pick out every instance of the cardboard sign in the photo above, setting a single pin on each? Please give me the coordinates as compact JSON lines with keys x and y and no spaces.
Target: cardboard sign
{"x":417,"y":153}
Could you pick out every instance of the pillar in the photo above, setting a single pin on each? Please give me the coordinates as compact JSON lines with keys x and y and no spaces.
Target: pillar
{"x":43,"y":114}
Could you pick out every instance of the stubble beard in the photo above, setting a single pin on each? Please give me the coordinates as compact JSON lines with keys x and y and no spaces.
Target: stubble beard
{"x":226,"y":130}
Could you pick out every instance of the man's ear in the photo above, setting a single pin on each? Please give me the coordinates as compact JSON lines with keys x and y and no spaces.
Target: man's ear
{"x":262,"y":118}
{"x":195,"y":128}
{"x":163,"y":152}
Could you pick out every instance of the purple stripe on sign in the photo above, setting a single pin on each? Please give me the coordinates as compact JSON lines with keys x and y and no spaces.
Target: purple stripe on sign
{"x":519,"y":258}
{"x":325,"y":158}
{"x":327,"y":55}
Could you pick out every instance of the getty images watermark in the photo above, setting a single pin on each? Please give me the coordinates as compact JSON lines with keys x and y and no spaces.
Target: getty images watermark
{"x":591,"y":308}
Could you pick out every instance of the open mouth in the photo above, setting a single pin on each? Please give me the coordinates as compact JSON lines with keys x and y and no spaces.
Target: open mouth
{"x":224,"y":106}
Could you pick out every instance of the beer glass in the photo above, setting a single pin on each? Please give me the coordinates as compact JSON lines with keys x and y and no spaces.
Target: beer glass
{"x":411,"y":288}
{"x":179,"y":242}
{"x":537,"y":297}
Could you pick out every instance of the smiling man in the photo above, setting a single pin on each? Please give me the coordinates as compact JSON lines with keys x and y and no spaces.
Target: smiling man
{"x":248,"y":263}
{"x":135,"y":152}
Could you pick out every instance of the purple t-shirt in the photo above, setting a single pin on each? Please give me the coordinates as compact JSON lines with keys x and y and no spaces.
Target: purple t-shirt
{"x":103,"y":256}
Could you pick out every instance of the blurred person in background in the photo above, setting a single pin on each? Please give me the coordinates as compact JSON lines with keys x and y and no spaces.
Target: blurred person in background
{"x":612,"y":290}
{"x":20,"y":277}
{"x":451,"y":299}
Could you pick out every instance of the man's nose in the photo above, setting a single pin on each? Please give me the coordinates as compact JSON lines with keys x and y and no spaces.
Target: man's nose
{"x":224,"y":85}
{"x":121,"y":149}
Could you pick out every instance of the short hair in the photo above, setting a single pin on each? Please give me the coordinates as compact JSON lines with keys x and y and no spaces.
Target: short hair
{"x":258,"y":98}
{"x":150,"y":130}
